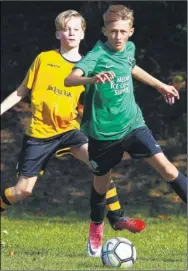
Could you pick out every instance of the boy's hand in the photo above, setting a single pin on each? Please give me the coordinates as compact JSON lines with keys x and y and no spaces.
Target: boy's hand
{"x":169,"y":100}
{"x":169,"y":93}
{"x":102,"y":77}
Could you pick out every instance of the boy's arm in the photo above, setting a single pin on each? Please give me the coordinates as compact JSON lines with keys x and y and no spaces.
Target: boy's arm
{"x":166,"y":90}
{"x":75,"y":78}
{"x":14,"y":98}
{"x":24,"y":88}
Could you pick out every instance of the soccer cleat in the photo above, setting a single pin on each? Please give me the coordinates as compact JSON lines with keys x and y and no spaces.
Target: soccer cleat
{"x":131,"y":224}
{"x":94,"y":244}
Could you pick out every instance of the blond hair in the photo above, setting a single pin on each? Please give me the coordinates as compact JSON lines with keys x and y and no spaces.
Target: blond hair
{"x":68,"y":14}
{"x":118,"y":12}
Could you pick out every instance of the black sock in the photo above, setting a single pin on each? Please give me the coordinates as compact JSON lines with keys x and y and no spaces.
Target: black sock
{"x":114,"y":216}
{"x":180,"y":186}
{"x":97,"y":204}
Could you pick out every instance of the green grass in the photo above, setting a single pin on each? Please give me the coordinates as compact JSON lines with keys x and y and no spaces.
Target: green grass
{"x":31,"y":242}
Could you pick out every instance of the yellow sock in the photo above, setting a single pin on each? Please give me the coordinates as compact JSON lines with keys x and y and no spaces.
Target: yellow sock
{"x":7,"y":198}
{"x":112,"y":201}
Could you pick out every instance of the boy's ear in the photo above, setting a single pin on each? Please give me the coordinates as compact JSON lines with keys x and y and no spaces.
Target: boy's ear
{"x":82,"y":36}
{"x":131,"y":32}
{"x":58,"y":35}
{"x":104,"y":31}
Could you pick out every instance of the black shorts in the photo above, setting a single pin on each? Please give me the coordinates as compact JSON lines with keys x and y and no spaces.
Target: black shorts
{"x":105,"y":154}
{"x":36,"y":152}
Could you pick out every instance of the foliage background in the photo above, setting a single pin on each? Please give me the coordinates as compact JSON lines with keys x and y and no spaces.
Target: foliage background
{"x":27,"y":28}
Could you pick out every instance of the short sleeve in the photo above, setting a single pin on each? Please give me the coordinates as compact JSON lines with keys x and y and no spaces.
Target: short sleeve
{"x":131,"y":54}
{"x":88,"y":63}
{"x":32,"y":72}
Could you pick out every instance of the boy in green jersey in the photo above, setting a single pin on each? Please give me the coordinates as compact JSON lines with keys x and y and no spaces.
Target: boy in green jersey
{"x":112,"y":120}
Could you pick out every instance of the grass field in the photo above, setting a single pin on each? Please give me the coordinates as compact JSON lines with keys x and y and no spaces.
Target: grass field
{"x":40,"y":241}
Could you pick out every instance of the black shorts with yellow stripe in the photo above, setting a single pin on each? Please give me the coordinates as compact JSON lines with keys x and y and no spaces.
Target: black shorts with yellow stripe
{"x":35,"y":152}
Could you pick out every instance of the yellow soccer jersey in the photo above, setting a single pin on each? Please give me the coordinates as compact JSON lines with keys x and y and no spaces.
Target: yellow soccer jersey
{"x":54,"y":106}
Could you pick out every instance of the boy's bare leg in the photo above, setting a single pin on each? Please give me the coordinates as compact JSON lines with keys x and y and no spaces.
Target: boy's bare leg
{"x":115,"y":214}
{"x":20,"y":191}
{"x":170,"y":173}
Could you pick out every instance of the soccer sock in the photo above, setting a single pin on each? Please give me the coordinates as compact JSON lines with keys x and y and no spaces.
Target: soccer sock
{"x":112,"y":203}
{"x":97,"y":204}
{"x":6,"y":199}
{"x":180,"y":186}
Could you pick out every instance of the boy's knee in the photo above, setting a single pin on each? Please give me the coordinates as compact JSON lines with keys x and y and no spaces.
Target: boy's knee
{"x":102,"y":183}
{"x":81,"y":149}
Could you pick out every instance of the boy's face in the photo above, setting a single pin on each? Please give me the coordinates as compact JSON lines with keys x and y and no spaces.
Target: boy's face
{"x":72,"y":34}
{"x":118,"y":33}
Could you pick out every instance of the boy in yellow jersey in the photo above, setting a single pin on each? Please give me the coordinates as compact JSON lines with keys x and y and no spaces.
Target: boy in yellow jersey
{"x":54,"y":125}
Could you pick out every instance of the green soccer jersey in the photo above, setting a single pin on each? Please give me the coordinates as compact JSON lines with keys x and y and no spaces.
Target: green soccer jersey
{"x":110,"y":110}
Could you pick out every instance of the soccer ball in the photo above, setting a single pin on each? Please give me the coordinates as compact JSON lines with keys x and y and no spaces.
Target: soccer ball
{"x":118,"y":252}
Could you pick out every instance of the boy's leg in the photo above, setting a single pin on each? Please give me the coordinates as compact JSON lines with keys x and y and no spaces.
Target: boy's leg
{"x":115,"y":214}
{"x":143,"y":145}
{"x":99,"y":154}
{"x":112,"y":202}
{"x":170,"y":173}
{"x":20,"y":191}
{"x":103,"y":156}
{"x":33,"y":156}
{"x":97,"y":205}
